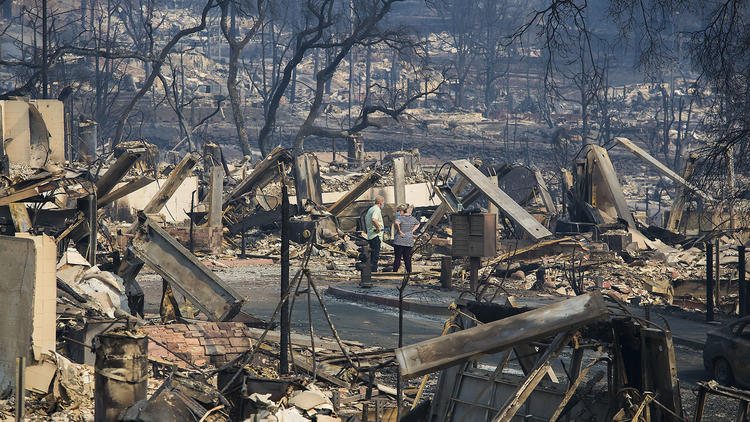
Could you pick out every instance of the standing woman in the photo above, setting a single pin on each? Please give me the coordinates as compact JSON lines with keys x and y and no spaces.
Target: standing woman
{"x":403,"y":240}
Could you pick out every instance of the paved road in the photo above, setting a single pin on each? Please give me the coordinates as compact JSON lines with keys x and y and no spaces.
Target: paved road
{"x":367,"y":324}
{"x":378,"y":325}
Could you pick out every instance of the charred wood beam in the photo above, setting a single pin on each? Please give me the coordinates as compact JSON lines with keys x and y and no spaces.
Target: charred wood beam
{"x":262,"y":174}
{"x":441,"y":352}
{"x":122,"y":191}
{"x":117,"y":171}
{"x":661,"y":168}
{"x":510,"y":208}
{"x":175,"y":179}
{"x":360,"y":188}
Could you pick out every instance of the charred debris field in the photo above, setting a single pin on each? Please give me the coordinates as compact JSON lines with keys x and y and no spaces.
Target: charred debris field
{"x":374,"y":210}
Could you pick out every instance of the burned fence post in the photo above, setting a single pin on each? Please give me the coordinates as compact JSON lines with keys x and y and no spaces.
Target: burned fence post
{"x":284,"y":318}
{"x":743,"y":288}
{"x":92,"y":228}
{"x":709,"y":281}
{"x":475,"y":263}
{"x":192,"y":222}
{"x":120,"y":373}
{"x":446,"y":272}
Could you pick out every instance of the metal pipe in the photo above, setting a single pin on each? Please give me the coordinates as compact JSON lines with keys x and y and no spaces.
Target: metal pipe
{"x":20,"y":390}
{"x":244,"y":230}
{"x":284,"y":318}
{"x":192,"y":222}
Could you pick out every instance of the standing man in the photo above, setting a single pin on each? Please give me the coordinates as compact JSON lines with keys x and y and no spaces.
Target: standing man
{"x":374,"y":224}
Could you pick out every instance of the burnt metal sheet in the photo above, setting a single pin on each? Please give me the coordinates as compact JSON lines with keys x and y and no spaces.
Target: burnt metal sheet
{"x":510,"y":208}
{"x":675,"y":220}
{"x":184,"y":271}
{"x":661,"y":369}
{"x":661,"y":168}
{"x":446,"y":206}
{"x":307,"y":179}
{"x":519,"y":183}
{"x":441,"y":352}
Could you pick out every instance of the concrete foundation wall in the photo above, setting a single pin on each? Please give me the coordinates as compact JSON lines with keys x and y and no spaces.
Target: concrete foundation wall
{"x":53,"y":113}
{"x":27,"y":302}
{"x":15,"y":126}
{"x":174,"y":211}
{"x":417,"y":194}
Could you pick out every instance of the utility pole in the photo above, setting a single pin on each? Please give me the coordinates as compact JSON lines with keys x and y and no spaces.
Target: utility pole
{"x":284,"y":319}
{"x":44,"y":50}
{"x":743,"y":288}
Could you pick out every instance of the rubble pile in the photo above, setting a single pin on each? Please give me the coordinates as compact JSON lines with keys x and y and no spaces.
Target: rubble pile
{"x":90,"y":236}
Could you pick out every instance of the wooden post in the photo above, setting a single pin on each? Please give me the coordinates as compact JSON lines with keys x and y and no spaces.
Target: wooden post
{"x":215,"y":196}
{"x":446,"y":272}
{"x":700,"y":404}
{"x":92,"y":229}
{"x":709,"y":281}
{"x":475,"y":263}
{"x":192,"y":222}
{"x":284,"y":318}
{"x":742,"y":410}
{"x":365,"y":266}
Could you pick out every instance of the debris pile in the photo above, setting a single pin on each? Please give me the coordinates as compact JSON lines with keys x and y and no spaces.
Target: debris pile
{"x":90,"y":233}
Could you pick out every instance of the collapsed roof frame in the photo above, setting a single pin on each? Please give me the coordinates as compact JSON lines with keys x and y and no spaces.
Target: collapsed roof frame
{"x":469,"y":174}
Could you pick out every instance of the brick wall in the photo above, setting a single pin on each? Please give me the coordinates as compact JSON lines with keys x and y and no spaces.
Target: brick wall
{"x":202,"y":343}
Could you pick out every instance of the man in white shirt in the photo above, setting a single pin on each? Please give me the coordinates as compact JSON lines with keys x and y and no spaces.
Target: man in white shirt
{"x":374,"y":225}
